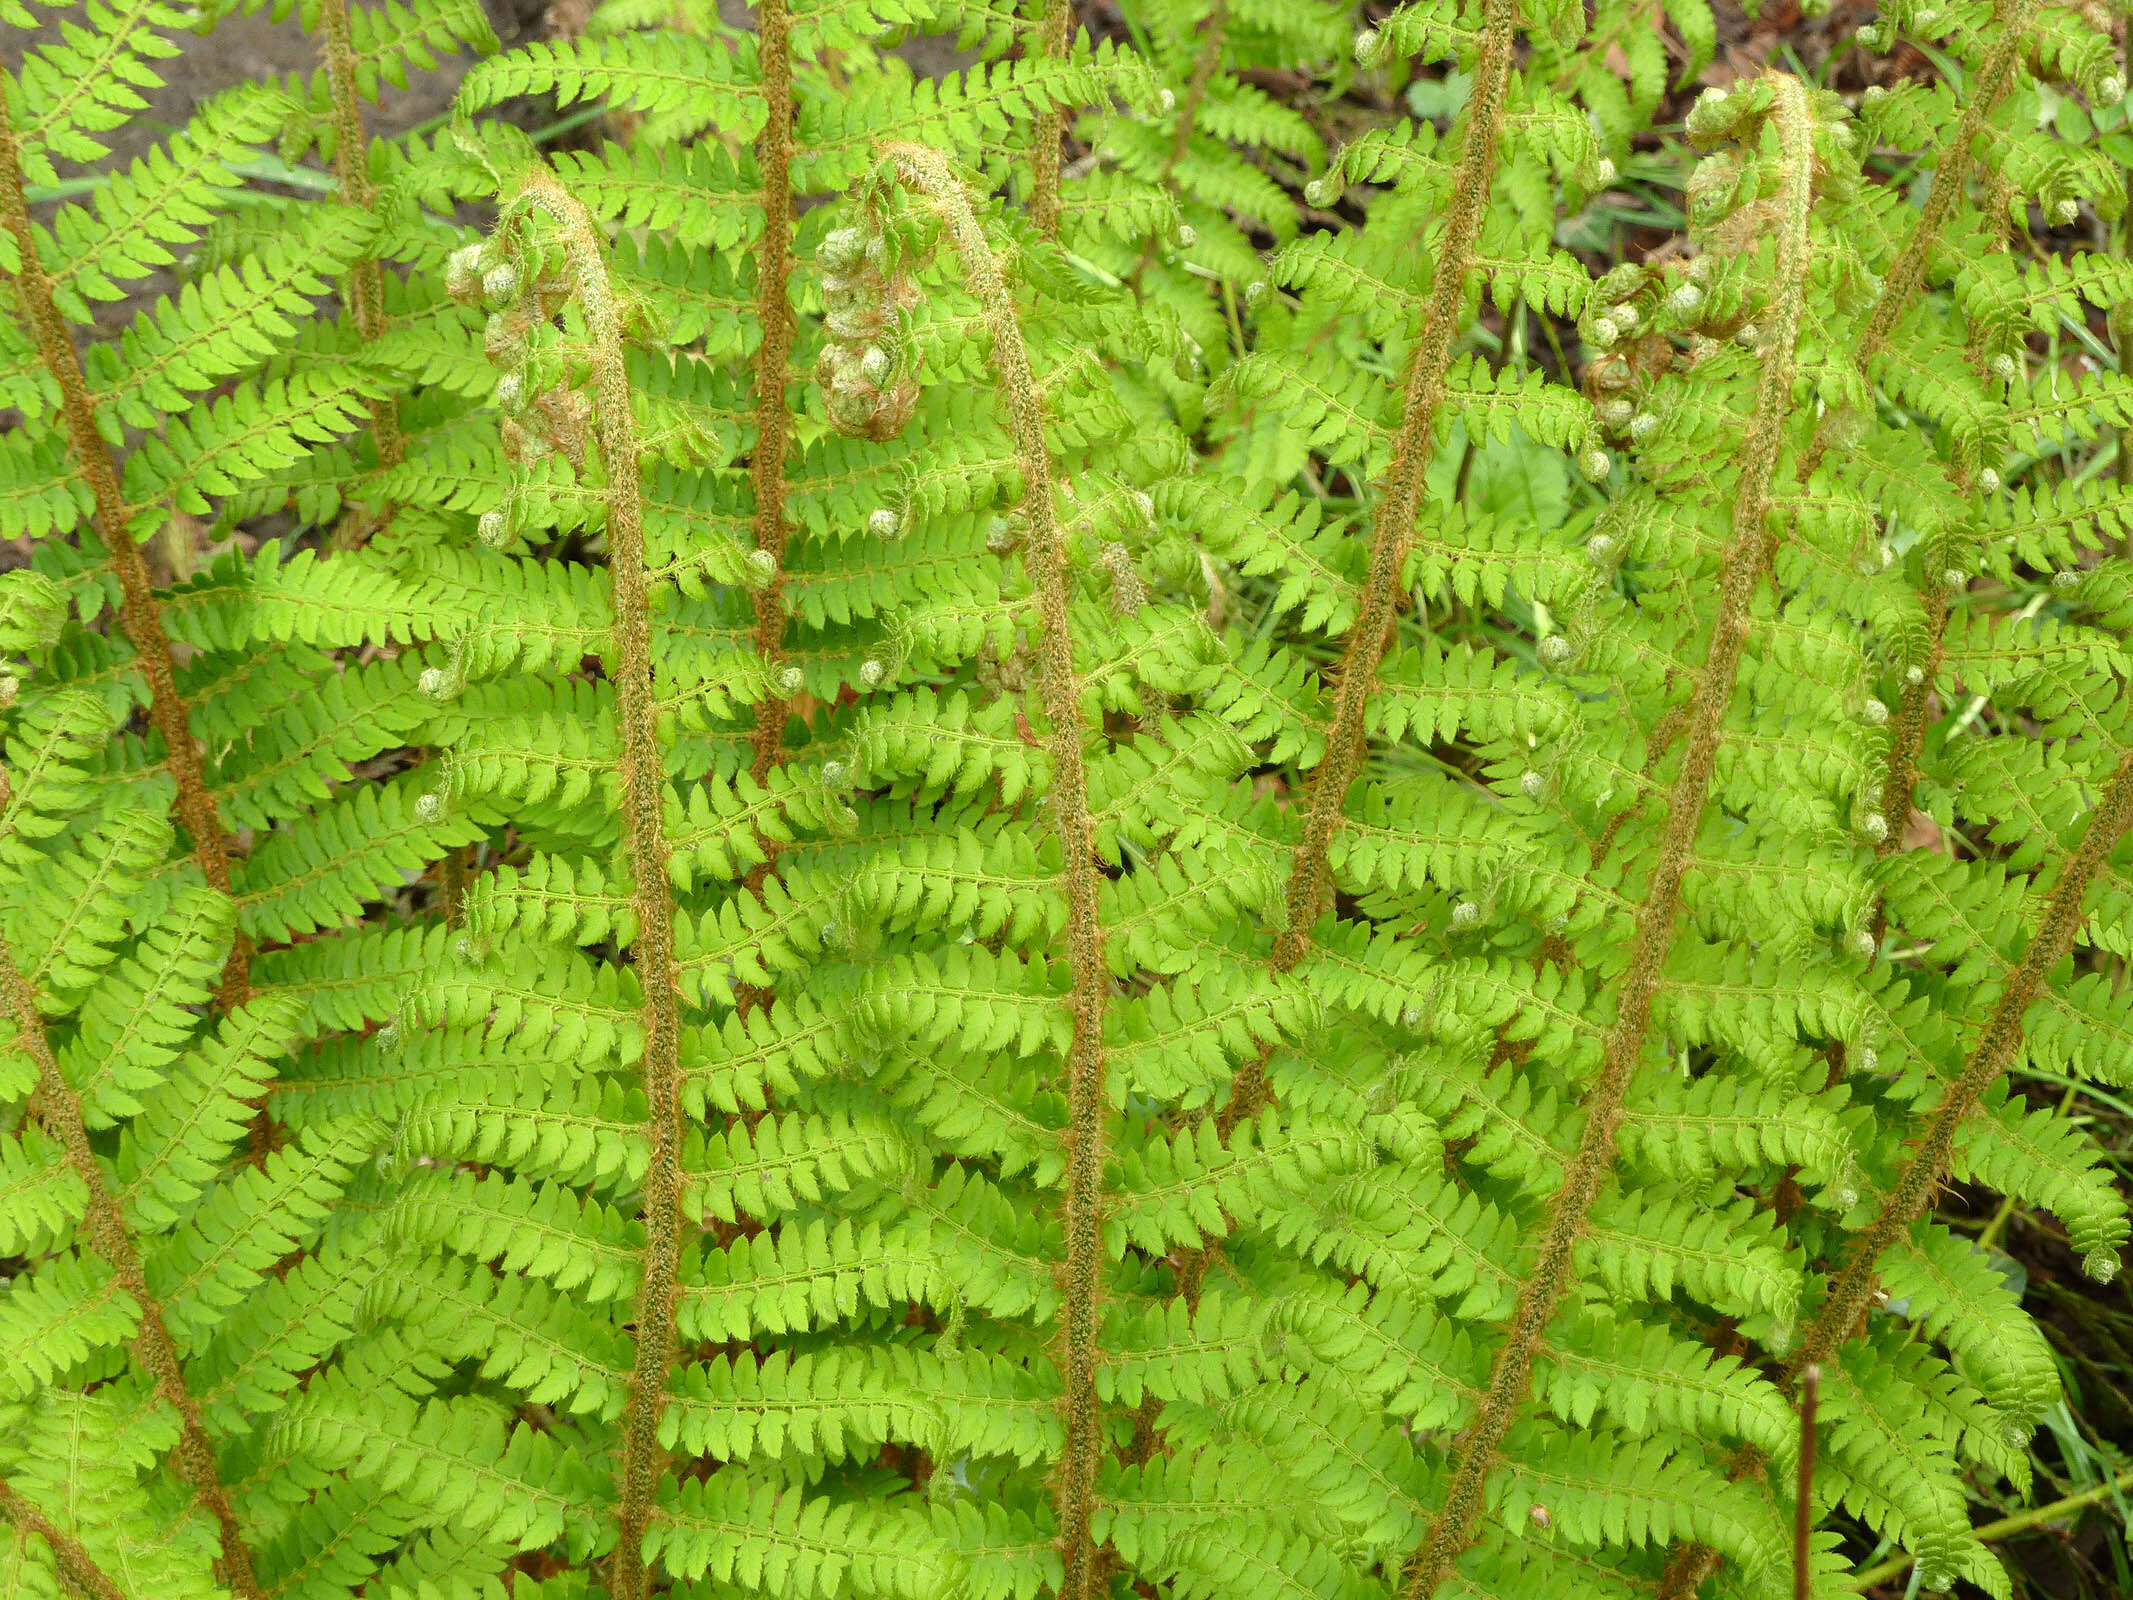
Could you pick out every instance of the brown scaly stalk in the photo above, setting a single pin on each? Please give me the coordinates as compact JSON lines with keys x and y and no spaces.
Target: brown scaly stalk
{"x":773,"y":304}
{"x":139,"y":614}
{"x":1081,"y":1210}
{"x":1923,"y":1173}
{"x":1051,"y":123}
{"x":77,"y":1568}
{"x":642,"y":770}
{"x":58,"y":1109}
{"x":1452,"y":1529}
{"x":366,"y":279}
{"x":1853,"y":1290}
{"x":1310,"y":876}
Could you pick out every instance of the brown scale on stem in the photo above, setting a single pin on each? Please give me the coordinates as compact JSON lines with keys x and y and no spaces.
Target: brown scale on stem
{"x":139,"y":614}
{"x":58,"y":1109}
{"x":1081,"y":1313}
{"x":642,"y":1459}
{"x":1474,"y":1454}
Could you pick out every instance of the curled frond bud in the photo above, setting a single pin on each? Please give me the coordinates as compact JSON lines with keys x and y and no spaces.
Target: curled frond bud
{"x":1642,"y":426}
{"x":1554,"y":650}
{"x":436,"y":683}
{"x":10,"y":687}
{"x":1989,"y":481}
{"x":842,"y":248}
{"x":1320,"y":192}
{"x":835,"y":774}
{"x":1711,"y":115}
{"x":1540,"y":1517}
{"x":1369,"y":48}
{"x":1875,"y":826}
{"x":2111,"y":90}
{"x":2004,"y":368}
{"x":1873,"y":713}
{"x":2101,"y":1264}
{"x":1617,"y":412}
{"x":1602,"y":333}
{"x":1166,"y":101}
{"x":1954,"y":578}
{"x":493,"y":529}
{"x":2067,"y":578}
{"x":1914,"y":674}
{"x":874,"y":365}
{"x":429,"y":807}
{"x":1626,"y":317}
{"x":1595,"y":465}
{"x":1255,"y":291}
{"x":790,"y":679}
{"x":500,"y":284}
{"x":1600,"y":550}
{"x":510,"y":392}
{"x":1869,"y":1059}
{"x":1531,"y":784}
{"x":2066,"y":213}
{"x":1604,"y":172}
{"x":1187,"y":236}
{"x":871,"y":673}
{"x":1685,"y":300}
{"x":883,"y":523}
{"x":1465,"y":914}
{"x":1749,"y":337}
{"x":1862,"y":943}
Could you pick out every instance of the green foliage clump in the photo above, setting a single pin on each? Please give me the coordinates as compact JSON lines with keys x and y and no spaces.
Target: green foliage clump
{"x":1011,"y":834}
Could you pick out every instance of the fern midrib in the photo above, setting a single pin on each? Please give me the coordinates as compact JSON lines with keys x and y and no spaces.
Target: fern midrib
{"x":1452,"y":1529}
{"x":75,"y":1564}
{"x":642,"y":773}
{"x":139,"y":613}
{"x":58,"y":1108}
{"x":2053,"y":942}
{"x":1392,"y":527}
{"x":1068,"y":799}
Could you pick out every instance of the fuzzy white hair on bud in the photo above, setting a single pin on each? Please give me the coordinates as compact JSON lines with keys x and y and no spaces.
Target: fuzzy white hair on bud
{"x":1165,"y":101}
{"x":1863,"y":944}
{"x":2067,"y":578}
{"x":1874,"y":93}
{"x":1531,"y":784}
{"x":1369,"y":47}
{"x":1554,"y":650}
{"x":1600,"y":549}
{"x":883,"y":523}
{"x":1686,"y":299}
{"x":1873,"y":713}
{"x":1617,"y":412}
{"x":2100,"y":1264}
{"x":874,"y":364}
{"x":1318,"y":192}
{"x":1749,"y":336}
{"x":2111,"y":90}
{"x":465,"y":261}
{"x":1875,"y":826}
{"x":429,"y":807}
{"x":435,"y":682}
{"x":1914,"y":675}
{"x":762,"y":565}
{"x":1869,"y":1059}
{"x":1602,"y":333}
{"x":2066,"y":213}
{"x":1187,"y":236}
{"x":1595,"y":465}
{"x":871,"y":672}
{"x":1989,"y":481}
{"x":510,"y":391}
{"x":1642,"y":426}
{"x":1626,"y":317}
{"x":2004,"y":368}
{"x":1255,"y":291}
{"x":842,"y":247}
{"x":500,"y":283}
{"x":834,"y":774}
{"x":1604,"y":172}
{"x":1954,"y":578}
{"x":791,"y":680}
{"x":493,"y":528}
{"x":1465,"y":914}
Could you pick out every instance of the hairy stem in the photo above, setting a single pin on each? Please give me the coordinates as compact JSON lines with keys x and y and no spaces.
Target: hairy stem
{"x":1452,"y":1529}
{"x":643,"y":785}
{"x":139,"y":614}
{"x":58,"y":1110}
{"x":1051,"y":124}
{"x":773,"y":303}
{"x":75,"y":1564}
{"x":1081,"y":1210}
{"x":351,"y":165}
{"x":1907,"y":1201}
{"x":1310,"y":875}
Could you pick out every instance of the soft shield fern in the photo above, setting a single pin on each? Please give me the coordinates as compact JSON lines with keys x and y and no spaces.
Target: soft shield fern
{"x":1027,"y":834}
